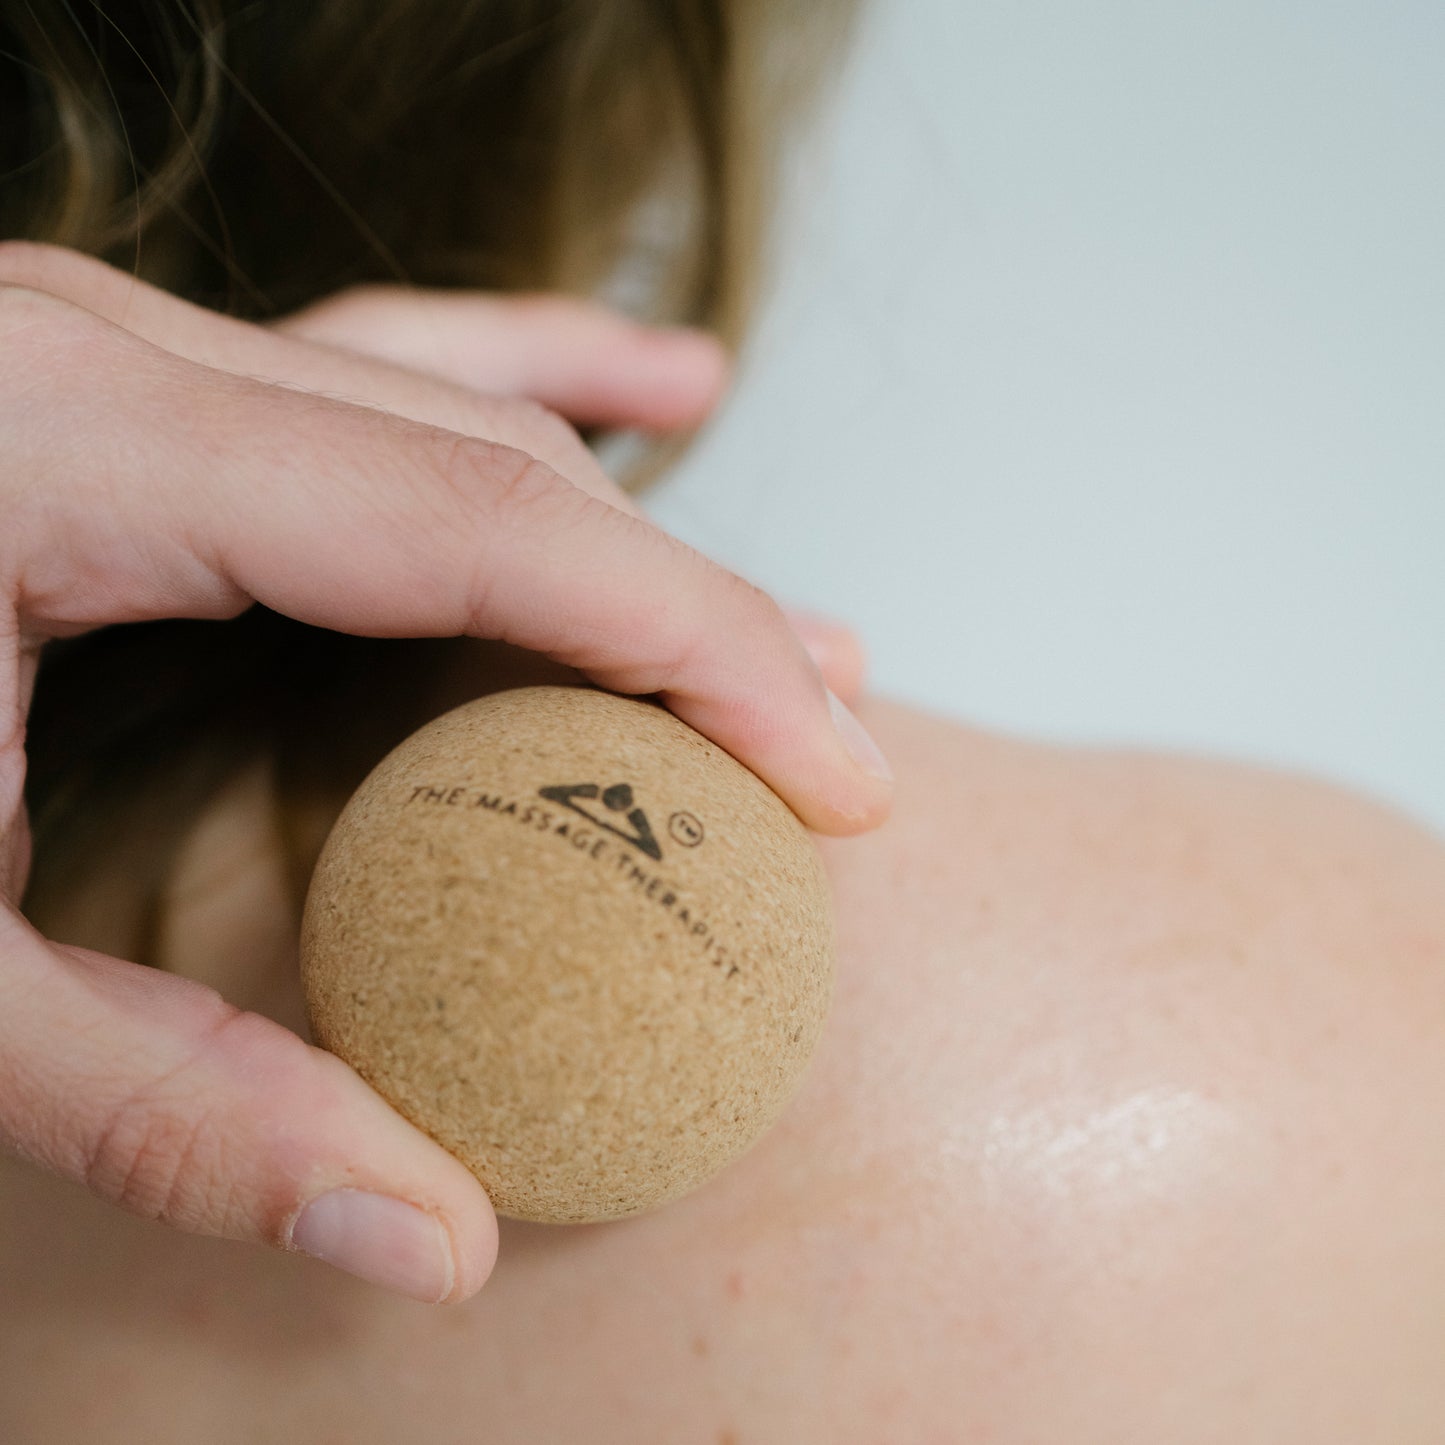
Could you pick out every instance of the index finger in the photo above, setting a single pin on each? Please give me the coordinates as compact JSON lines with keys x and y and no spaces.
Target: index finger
{"x":216,"y":490}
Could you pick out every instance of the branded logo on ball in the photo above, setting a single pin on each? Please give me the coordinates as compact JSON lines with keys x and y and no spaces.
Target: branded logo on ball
{"x":683,"y":828}
{"x":591,"y":802}
{"x":617,"y":798}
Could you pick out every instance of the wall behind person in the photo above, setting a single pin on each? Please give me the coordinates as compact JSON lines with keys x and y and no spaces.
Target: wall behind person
{"x":1104,"y":385}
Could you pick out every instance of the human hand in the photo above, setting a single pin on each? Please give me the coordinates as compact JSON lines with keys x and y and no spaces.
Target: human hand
{"x":586,"y":363}
{"x":157,"y":460}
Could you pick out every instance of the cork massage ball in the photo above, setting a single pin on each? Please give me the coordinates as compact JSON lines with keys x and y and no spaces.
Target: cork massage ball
{"x":574,"y":941}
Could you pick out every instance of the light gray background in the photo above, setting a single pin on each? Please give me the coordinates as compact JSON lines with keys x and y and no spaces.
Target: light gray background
{"x":1104,"y":384}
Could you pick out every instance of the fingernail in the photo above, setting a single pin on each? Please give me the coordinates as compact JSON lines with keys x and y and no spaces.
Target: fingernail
{"x":865,"y":752}
{"x":379,"y":1239}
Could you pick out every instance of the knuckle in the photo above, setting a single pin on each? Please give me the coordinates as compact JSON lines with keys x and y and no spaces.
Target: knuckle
{"x":501,"y":496}
{"x":166,"y":1151}
{"x":756,"y":609}
{"x":143,"y":1152}
{"x":529,"y":426}
{"x":505,"y":484}
{"x":519,"y":509}
{"x":769,"y":610}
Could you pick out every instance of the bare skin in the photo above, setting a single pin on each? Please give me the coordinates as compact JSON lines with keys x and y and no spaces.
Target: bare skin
{"x":1124,"y":1128}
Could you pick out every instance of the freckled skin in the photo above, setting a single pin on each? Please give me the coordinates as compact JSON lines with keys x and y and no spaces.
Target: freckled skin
{"x":1124,"y":1128}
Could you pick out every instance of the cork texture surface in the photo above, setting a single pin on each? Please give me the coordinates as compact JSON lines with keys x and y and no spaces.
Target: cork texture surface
{"x":575,"y":942}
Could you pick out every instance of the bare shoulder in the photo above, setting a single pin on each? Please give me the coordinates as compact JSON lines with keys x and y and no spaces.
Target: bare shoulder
{"x":1125,"y":915}
{"x":1122,"y":846}
{"x":1131,"y":1091}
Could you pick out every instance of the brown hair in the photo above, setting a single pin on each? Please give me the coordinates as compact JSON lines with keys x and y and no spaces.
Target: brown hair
{"x":501,"y":144}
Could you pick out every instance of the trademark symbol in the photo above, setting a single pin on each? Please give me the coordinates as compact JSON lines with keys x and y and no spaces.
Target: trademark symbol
{"x":685,"y":829}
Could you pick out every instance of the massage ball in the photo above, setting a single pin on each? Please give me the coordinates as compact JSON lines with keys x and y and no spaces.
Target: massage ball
{"x":574,"y":941}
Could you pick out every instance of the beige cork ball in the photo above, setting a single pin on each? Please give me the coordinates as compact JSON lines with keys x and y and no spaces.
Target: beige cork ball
{"x":574,"y":941}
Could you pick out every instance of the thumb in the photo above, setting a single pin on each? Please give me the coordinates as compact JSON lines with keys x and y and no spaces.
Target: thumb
{"x":158,"y":1096}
